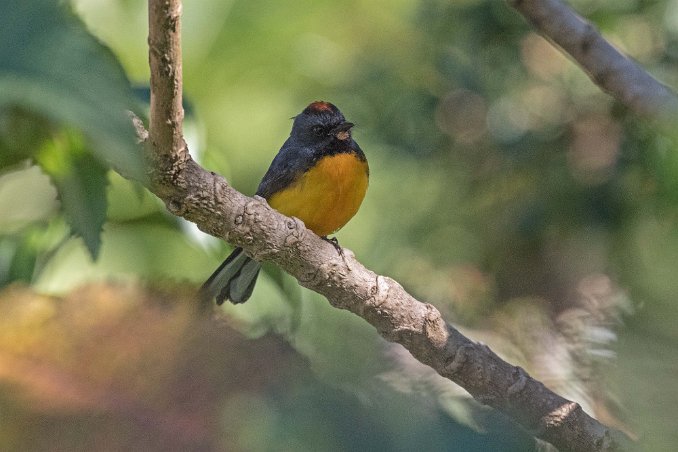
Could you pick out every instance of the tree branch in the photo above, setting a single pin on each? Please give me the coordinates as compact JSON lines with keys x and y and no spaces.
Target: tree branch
{"x":164,"y":57}
{"x":207,"y":200}
{"x":613,"y":72}
{"x":166,"y":150}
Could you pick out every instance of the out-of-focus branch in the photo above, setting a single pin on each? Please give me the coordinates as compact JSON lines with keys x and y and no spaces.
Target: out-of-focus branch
{"x":608,"y":68}
{"x":207,"y":200}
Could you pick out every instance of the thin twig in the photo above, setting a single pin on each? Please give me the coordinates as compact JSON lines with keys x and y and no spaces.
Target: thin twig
{"x":164,"y":57}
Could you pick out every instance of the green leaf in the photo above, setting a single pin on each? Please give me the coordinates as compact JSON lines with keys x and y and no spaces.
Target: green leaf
{"x":20,"y":133}
{"x":52,"y":67}
{"x":63,"y":102}
{"x":81,"y":181}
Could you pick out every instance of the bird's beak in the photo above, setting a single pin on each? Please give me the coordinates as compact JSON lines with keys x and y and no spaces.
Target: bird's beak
{"x":342,"y":130}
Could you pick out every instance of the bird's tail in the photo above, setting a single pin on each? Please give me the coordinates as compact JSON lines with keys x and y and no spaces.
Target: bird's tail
{"x":234,"y":279}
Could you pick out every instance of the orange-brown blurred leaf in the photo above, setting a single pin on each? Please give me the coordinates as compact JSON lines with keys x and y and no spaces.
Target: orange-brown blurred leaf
{"x":109,"y":366}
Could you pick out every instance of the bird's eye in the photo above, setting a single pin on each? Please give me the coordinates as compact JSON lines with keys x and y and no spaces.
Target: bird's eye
{"x":318,"y":130}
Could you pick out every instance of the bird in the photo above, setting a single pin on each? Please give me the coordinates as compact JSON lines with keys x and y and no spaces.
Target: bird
{"x":320,"y":176}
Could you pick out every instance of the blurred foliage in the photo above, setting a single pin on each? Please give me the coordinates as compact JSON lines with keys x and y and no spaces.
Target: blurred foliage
{"x":121,"y":367}
{"x":58,"y":83}
{"x":506,"y":189}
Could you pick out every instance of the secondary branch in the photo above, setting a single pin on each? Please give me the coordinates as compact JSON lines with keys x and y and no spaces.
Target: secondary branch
{"x":608,"y":68}
{"x":164,"y":58}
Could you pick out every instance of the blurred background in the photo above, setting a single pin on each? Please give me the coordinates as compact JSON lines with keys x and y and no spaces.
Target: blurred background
{"x":536,"y":213}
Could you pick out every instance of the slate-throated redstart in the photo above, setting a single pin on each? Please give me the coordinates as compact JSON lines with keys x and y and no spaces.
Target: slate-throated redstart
{"x":320,"y":176}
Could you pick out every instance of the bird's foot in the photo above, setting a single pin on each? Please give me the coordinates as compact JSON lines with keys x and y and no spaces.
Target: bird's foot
{"x":335,"y":243}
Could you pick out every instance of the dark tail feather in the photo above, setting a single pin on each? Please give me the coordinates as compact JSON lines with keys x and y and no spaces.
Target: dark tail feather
{"x":234,"y":280}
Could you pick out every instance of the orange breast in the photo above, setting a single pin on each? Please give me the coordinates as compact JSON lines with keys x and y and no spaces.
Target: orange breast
{"x":326,"y":196}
